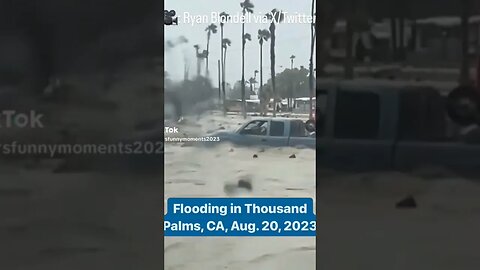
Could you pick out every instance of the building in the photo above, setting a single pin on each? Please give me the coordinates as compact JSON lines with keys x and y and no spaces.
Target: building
{"x":372,"y":44}
{"x":439,"y":39}
{"x":429,"y":40}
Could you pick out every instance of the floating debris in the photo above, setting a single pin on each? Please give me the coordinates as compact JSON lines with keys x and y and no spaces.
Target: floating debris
{"x":408,"y":202}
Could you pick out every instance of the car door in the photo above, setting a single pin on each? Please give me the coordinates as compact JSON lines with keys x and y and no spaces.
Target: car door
{"x":277,"y":134}
{"x":461,"y":157}
{"x":357,"y":139}
{"x":253,"y":133}
{"x":299,"y":136}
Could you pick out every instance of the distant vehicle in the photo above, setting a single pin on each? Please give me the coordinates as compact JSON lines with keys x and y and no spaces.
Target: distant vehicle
{"x":388,"y":126}
{"x":273,"y":132}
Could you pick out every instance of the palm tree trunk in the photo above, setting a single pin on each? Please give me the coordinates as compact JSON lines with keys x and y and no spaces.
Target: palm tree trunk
{"x":401,"y":38}
{"x":349,"y":46}
{"x":219,"y":83}
{"x":223,"y":70}
{"x":465,"y":67}
{"x":223,"y":80}
{"x":208,"y":53}
{"x":272,"y":66}
{"x":393,"y":38}
{"x":413,"y":44}
{"x":244,"y":107}
{"x":198,"y":65}
{"x":261,"y":76}
{"x":312,"y":48}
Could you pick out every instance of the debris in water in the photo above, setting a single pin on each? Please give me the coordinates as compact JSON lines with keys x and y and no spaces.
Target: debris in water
{"x":292,"y":156}
{"x":246,"y":184}
{"x":408,"y":202}
{"x":255,"y":156}
{"x":186,"y":144}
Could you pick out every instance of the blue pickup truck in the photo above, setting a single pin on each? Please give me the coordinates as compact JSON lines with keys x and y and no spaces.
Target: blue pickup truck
{"x":273,"y":132}
{"x":383,"y":125}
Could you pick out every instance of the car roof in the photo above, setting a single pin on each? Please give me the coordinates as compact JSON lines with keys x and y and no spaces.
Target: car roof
{"x":275,"y":118}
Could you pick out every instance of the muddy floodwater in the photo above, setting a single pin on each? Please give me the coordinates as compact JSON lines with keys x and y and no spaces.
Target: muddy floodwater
{"x":359,"y":226}
{"x":195,"y":171}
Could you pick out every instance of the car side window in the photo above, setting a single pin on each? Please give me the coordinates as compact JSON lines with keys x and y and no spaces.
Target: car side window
{"x":298,"y":129}
{"x":257,"y":127}
{"x":357,"y":115}
{"x":277,"y":128}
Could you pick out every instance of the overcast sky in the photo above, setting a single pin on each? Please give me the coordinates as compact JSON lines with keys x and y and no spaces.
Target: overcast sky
{"x":292,"y":38}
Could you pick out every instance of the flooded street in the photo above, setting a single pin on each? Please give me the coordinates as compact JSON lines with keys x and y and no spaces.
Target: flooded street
{"x":196,"y":171}
{"x":356,"y":210}
{"x":359,"y":221}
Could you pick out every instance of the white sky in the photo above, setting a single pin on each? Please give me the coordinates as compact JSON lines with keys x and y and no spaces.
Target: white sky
{"x":292,"y":38}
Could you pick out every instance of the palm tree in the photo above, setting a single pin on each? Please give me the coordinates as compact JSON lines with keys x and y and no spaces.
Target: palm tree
{"x":225,"y":44}
{"x":246,"y":6}
{"x":197,"y":54}
{"x":211,"y":29}
{"x":263,"y":35}
{"x":274,"y":16}
{"x":224,"y":17}
{"x":349,"y":32}
{"x":312,"y":50}
{"x":246,"y":37}
{"x":219,"y":82}
{"x":292,"y":58}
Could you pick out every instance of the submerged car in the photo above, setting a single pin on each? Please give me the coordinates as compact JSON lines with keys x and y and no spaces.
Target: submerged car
{"x":273,"y":132}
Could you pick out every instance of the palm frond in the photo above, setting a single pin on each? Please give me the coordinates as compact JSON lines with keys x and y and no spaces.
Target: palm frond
{"x":263,"y":34}
{"x":226,"y":42}
{"x":247,"y":5}
{"x":225,"y":15}
{"x":182,"y":39}
{"x":278,"y":15}
{"x":211,"y":28}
